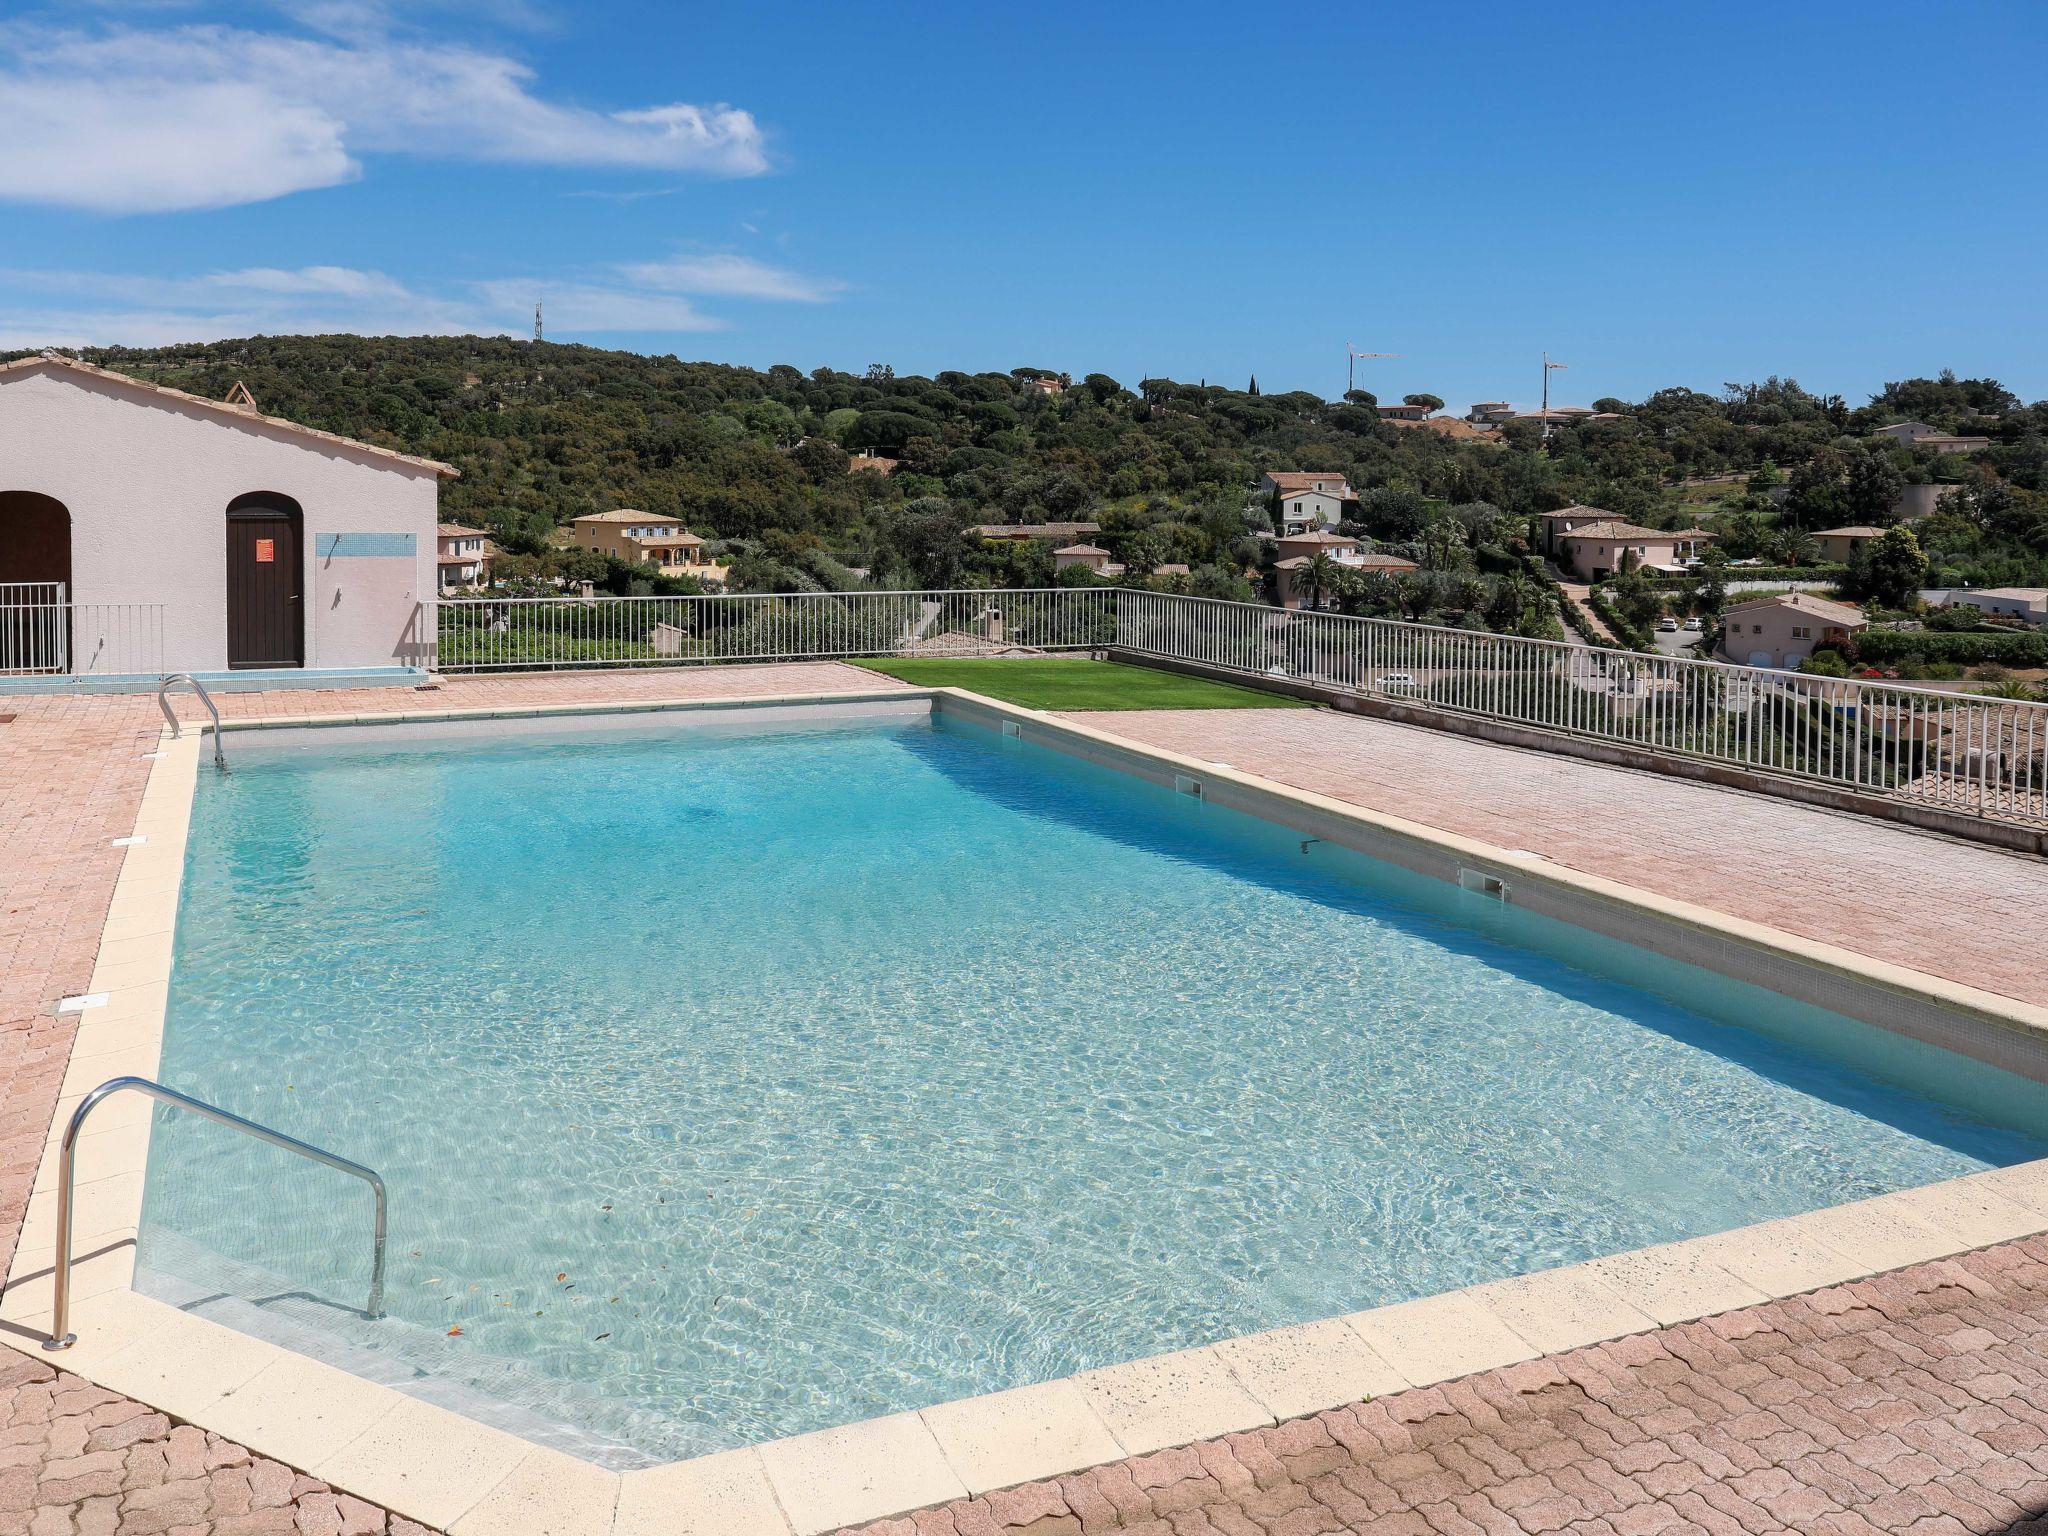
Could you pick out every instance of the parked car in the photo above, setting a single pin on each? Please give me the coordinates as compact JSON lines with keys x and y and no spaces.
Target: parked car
{"x":1693,"y":626}
{"x":1397,"y":682}
{"x":1667,"y":626}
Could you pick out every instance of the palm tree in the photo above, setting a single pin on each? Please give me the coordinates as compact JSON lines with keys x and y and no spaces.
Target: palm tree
{"x":1316,"y":577}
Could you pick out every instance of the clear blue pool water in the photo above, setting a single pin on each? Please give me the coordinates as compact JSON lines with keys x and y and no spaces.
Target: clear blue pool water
{"x":737,"y":1082}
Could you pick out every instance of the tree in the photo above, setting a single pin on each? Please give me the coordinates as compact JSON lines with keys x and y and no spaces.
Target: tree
{"x":1894,"y":567}
{"x":1816,"y":498}
{"x":1430,"y":404}
{"x":1254,"y":389}
{"x":1316,"y":576}
{"x":1873,"y":486}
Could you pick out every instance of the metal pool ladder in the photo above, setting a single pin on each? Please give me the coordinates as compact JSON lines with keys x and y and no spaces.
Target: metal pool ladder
{"x":60,"y":1312}
{"x":219,"y":758}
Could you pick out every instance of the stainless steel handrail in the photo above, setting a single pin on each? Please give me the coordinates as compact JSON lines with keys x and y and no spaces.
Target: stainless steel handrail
{"x":177,"y":729}
{"x":60,"y":1312}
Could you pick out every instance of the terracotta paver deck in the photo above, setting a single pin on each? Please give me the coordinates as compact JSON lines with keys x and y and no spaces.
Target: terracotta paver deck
{"x":1930,"y":903}
{"x":1914,"y":1402}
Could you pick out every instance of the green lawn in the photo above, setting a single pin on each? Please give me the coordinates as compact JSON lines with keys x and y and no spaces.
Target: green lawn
{"x":1038,"y":683}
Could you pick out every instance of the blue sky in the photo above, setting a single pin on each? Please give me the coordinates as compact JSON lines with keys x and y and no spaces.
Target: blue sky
{"x":1657,"y":193}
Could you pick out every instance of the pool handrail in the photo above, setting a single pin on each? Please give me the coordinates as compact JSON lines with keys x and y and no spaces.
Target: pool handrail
{"x":177,"y":728}
{"x":60,"y":1336}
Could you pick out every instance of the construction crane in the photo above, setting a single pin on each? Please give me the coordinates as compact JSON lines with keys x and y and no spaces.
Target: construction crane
{"x":1351,"y":357}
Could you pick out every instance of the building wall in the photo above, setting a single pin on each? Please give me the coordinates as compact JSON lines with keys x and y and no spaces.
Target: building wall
{"x":1319,"y":507}
{"x":1590,"y":555}
{"x":1838,"y":548}
{"x":1771,"y":637}
{"x":147,"y":480}
{"x":2030,"y":609}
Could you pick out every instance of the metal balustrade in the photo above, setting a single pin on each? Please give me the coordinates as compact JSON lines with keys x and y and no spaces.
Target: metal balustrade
{"x":45,"y":637}
{"x":544,"y":633}
{"x":1964,"y":752}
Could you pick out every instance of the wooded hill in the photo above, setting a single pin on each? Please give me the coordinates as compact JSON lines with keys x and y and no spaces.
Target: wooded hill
{"x":758,"y":459}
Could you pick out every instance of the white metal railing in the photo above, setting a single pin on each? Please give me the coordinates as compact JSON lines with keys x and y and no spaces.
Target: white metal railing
{"x":58,"y":639}
{"x":1982,"y":756}
{"x":530,"y":633}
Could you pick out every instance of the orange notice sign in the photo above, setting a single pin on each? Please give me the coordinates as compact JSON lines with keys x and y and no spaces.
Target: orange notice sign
{"x":266,"y":551}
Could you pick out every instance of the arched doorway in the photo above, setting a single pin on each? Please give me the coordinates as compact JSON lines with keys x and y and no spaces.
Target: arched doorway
{"x":266,"y":578}
{"x":35,"y":579}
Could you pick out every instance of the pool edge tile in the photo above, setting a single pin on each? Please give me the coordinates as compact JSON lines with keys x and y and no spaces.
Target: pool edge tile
{"x":1022,"y":1434}
{"x":724,"y":1494}
{"x":1160,"y":1401}
{"x":423,"y":1461}
{"x":857,"y":1473}
{"x":1440,"y":1338}
{"x":547,"y":1494}
{"x":1309,"y":1368}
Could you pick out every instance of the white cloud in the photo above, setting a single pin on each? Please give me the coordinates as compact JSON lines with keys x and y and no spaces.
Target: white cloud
{"x":731,"y":276}
{"x":129,"y":119}
{"x":74,"y":308}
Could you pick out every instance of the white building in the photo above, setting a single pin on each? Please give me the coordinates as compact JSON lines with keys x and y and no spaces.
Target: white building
{"x":2028,"y":603}
{"x":193,"y":535}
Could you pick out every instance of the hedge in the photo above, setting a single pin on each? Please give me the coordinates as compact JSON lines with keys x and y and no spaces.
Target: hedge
{"x":1755,"y":573}
{"x":2015,"y":649}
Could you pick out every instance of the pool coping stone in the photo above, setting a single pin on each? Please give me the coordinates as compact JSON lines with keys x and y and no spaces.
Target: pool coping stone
{"x":443,"y":1468}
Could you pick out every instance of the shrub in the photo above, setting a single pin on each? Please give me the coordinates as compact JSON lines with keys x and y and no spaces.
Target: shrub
{"x":2028,"y":649}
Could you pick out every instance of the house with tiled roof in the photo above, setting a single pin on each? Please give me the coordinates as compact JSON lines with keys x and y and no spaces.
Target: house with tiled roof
{"x":646,"y":538}
{"x":1091,"y":557}
{"x":1597,"y":550}
{"x":1784,"y":629}
{"x":462,"y":556}
{"x":1838,"y":544}
{"x":1305,"y":498}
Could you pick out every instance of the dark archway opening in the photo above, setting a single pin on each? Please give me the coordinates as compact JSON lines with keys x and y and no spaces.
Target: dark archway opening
{"x":35,"y":581}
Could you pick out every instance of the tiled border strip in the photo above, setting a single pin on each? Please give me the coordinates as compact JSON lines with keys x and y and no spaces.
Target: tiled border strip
{"x":441,"y":1468}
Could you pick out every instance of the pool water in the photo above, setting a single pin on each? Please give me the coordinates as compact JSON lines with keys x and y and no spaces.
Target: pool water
{"x":735,"y":1082}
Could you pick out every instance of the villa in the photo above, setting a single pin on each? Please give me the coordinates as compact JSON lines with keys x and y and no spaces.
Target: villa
{"x":1837,"y":545}
{"x":168,"y":532}
{"x":1597,"y":550}
{"x":644,"y":538}
{"x":1091,"y":557}
{"x":1783,"y":630}
{"x":1033,"y":533}
{"x":464,"y":556}
{"x":1919,"y":434}
{"x":1306,"y":498}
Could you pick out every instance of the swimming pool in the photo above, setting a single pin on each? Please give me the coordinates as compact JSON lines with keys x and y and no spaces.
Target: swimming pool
{"x":737,"y":1081}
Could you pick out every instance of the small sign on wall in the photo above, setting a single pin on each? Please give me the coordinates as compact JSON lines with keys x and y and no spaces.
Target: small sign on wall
{"x":266,"y":551}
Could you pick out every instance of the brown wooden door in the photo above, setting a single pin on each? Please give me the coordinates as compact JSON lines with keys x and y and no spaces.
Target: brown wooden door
{"x":266,"y":616}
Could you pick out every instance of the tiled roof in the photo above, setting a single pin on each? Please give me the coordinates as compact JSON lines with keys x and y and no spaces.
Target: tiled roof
{"x":1081,"y":549}
{"x":458,"y":531}
{"x":1858,"y":532}
{"x":1036,"y":530}
{"x":628,"y":515}
{"x":1804,"y":602}
{"x":236,"y":413}
{"x":1618,"y":530}
{"x":1304,"y":479}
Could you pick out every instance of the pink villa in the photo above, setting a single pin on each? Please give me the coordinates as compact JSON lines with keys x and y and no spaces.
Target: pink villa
{"x":165,"y":532}
{"x":1595,"y":551}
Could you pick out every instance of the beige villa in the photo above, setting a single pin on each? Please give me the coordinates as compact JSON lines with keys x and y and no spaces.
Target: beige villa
{"x":1347,"y":554}
{"x":1838,"y":544}
{"x":1784,"y":630}
{"x":1091,"y":557}
{"x":645,"y":538}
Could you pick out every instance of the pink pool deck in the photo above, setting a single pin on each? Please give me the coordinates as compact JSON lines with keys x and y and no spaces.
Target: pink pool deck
{"x":1914,"y":1401}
